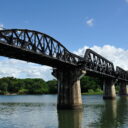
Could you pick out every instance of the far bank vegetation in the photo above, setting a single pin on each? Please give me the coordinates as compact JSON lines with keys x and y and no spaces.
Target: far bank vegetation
{"x":10,"y":85}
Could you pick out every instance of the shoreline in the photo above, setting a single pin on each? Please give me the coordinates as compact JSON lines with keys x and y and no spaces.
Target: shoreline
{"x":86,"y":93}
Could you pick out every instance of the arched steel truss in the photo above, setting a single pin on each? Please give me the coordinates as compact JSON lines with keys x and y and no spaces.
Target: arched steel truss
{"x":121,"y":74}
{"x":97,"y":63}
{"x":38,"y":43}
{"x":40,"y":48}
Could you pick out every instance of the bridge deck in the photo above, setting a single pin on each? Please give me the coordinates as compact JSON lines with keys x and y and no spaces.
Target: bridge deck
{"x":40,"y":48}
{"x":29,"y":56}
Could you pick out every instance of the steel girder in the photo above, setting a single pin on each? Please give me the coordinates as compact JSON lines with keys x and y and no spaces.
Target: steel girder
{"x":40,"y":48}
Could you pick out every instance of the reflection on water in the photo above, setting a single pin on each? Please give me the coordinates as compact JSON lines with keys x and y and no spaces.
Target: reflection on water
{"x":122,"y":112}
{"x":70,"y":119}
{"x":114,"y":114}
{"x":40,"y":112}
{"x":108,"y":116}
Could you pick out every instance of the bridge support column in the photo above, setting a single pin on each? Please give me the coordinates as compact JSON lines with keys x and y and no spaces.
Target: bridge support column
{"x":69,"y":92}
{"x":109,"y":89}
{"x":123,"y":89}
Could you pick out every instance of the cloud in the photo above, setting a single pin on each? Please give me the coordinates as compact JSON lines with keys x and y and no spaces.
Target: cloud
{"x":90,"y":22}
{"x":22,"y":69}
{"x":1,"y":26}
{"x":116,"y":55}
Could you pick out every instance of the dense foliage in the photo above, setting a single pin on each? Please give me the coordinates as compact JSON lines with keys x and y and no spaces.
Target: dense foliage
{"x":91,"y":84}
{"x":11,"y":85}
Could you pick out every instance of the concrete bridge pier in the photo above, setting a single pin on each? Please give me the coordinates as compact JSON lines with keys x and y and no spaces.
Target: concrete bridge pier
{"x":69,"y":91}
{"x":109,"y":89}
{"x":123,"y":88}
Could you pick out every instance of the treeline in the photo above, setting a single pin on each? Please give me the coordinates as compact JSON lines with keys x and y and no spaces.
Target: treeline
{"x":10,"y":85}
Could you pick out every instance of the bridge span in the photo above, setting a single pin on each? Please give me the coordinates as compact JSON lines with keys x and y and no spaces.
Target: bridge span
{"x":68,"y":68}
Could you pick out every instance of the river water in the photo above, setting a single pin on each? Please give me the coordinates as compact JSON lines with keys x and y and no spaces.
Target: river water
{"x":39,"y":111}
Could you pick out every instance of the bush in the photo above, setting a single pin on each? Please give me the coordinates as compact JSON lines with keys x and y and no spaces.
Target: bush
{"x":98,"y":90}
{"x":23,"y":91}
{"x":90,"y":91}
{"x":52,"y":86}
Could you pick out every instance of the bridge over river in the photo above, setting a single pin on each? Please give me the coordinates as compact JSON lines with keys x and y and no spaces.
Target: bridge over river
{"x":68,"y":68}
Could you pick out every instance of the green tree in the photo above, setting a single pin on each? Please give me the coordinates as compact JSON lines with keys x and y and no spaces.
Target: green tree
{"x":92,"y":83}
{"x":36,"y":86}
{"x":3,"y":87}
{"x":52,"y":86}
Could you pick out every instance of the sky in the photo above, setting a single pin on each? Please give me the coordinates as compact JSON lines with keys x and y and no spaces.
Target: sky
{"x":101,"y":25}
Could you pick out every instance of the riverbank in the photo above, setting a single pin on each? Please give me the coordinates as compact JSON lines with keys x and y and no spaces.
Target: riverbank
{"x":36,"y":86}
{"x":94,"y":93}
{"x":86,"y":93}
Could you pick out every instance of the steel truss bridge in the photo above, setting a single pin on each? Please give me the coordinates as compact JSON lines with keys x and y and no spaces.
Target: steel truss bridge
{"x":40,"y":48}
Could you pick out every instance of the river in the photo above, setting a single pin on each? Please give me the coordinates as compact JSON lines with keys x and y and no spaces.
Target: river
{"x":39,"y":111}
